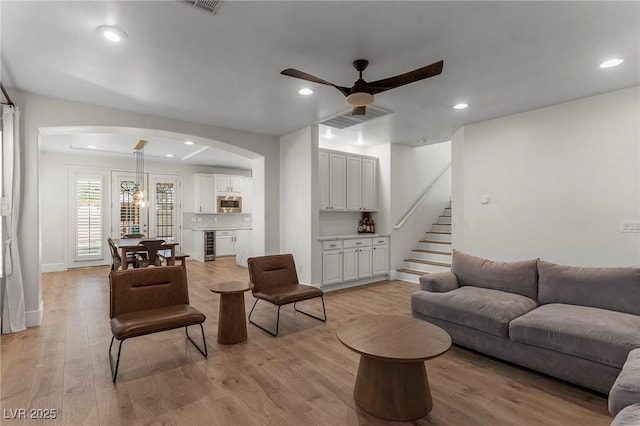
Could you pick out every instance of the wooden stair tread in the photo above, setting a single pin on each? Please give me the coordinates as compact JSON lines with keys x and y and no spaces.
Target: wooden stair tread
{"x":412,"y":271}
{"x":433,"y":251}
{"x":438,"y":232}
{"x":444,"y":215}
{"x":447,"y":224}
{"x":428,"y":262}
{"x":435,"y":242}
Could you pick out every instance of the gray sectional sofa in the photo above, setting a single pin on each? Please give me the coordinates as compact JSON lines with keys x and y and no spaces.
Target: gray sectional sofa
{"x":577,"y":324}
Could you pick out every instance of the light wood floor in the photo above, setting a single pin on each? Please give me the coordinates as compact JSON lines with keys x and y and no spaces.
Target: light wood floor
{"x":303,"y":377}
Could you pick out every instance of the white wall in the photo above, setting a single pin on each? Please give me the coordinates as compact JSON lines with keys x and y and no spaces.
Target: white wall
{"x":41,"y":112}
{"x":54,"y":193}
{"x":560,"y":180}
{"x":413,"y":169}
{"x":297,"y":234}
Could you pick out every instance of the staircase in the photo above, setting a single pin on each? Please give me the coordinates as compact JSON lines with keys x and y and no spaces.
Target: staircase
{"x":433,"y":253}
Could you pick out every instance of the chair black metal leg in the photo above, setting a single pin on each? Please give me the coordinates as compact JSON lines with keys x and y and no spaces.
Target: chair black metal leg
{"x":324,"y":312}
{"x":261,"y":327}
{"x":204,"y":342}
{"x":114,"y":373}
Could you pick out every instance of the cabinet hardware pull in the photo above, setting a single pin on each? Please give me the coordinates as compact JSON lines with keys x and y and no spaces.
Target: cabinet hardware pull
{"x":333,"y":245}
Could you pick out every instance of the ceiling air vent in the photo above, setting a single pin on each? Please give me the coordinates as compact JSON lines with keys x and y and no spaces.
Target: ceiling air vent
{"x":345,"y":119}
{"x":206,"y":5}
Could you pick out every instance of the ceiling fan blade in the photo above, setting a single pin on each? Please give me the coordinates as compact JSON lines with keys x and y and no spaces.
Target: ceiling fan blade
{"x":290,"y":72}
{"x":402,"y":79}
{"x":359,"y":110}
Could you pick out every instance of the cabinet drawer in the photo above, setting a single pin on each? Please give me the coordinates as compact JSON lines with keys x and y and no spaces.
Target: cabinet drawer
{"x":381,"y":241}
{"x":224,"y":233}
{"x":331,"y":245}
{"x":357,"y":242}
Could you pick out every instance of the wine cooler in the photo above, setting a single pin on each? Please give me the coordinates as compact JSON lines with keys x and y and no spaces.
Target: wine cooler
{"x":209,"y":245}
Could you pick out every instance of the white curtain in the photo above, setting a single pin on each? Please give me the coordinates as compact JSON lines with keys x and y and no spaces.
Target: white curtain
{"x":13,"y":318}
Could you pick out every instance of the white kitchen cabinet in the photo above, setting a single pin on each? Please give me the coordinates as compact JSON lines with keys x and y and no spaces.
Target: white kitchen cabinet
{"x":380,"y":256}
{"x":347,"y":182}
{"x":225,"y":243}
{"x":357,"y":258}
{"x":369,"y":197}
{"x":228,"y":185}
{"x":323,"y":174}
{"x":354,"y":183}
{"x":337,"y":181}
{"x":204,"y":193}
{"x":331,"y":266}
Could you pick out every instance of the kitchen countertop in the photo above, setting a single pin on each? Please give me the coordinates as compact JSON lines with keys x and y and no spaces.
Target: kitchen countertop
{"x":346,"y":237}
{"x":223,"y":229}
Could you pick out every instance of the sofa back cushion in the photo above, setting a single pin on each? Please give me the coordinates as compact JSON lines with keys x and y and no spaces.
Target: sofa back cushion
{"x":616,"y":289}
{"x":515,"y":277}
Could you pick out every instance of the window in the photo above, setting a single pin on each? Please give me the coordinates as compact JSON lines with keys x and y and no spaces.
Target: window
{"x":89,"y":216}
{"x":129,"y":210}
{"x":165,"y":209}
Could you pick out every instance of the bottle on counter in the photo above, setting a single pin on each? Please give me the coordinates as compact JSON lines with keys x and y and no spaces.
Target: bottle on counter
{"x":373,"y":227}
{"x":367,"y":225}
{"x":360,"y":227}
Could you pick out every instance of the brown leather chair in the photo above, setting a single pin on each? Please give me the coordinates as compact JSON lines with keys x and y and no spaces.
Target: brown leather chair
{"x":145,"y":301}
{"x":275,"y":280}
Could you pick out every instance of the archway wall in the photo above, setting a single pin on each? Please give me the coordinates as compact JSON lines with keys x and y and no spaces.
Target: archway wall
{"x":41,"y":112}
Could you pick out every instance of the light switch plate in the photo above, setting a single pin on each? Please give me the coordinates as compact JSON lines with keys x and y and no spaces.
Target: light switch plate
{"x":630,"y":226}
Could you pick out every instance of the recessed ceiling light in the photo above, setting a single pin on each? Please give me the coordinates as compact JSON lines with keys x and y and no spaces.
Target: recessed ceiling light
{"x":91,"y":147}
{"x":305,"y":92}
{"x":360,"y":141}
{"x":460,"y":106}
{"x":611,"y":63}
{"x":113,"y":34}
{"x":168,"y":155}
{"x":188,"y":143}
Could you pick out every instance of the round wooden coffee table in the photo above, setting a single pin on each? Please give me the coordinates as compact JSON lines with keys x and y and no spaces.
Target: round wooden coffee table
{"x":392,"y":379}
{"x":232,"y":321}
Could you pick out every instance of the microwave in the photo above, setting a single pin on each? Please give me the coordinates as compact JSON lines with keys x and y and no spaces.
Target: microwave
{"x":229,"y":204}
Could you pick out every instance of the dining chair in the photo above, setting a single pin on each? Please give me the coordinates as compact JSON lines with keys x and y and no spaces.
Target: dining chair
{"x":151,"y":258}
{"x":275,"y":280}
{"x":116,"y":260}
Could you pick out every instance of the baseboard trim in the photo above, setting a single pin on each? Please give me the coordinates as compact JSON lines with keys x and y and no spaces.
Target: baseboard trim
{"x":53,"y":267}
{"x":34,"y":318}
{"x":340,"y":286}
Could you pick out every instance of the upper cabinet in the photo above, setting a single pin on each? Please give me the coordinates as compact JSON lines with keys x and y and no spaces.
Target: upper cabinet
{"x":347,"y":181}
{"x":228,"y":185}
{"x":204,"y":193}
{"x":208,"y":187}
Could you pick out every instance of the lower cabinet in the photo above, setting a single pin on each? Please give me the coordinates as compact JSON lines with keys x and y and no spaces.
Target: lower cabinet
{"x":225,"y":243}
{"x":354,"y":259}
{"x":331,"y":266}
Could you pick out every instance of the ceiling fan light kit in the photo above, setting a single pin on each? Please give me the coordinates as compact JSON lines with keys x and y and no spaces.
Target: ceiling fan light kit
{"x":358,"y":99}
{"x":362,"y":93}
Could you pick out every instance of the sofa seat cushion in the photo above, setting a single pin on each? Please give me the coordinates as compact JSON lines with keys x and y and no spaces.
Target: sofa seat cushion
{"x":474,"y":307}
{"x":626,"y":389}
{"x":630,"y":416}
{"x":590,"y":333}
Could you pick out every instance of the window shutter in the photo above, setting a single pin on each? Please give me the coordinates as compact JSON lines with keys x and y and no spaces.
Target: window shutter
{"x":89,"y":217}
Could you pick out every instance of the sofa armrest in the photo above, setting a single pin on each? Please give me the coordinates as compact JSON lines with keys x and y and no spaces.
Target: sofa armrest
{"x":626,"y":389}
{"x":439,"y":282}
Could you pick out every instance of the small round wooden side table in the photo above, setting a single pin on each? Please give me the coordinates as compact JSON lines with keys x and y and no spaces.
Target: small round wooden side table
{"x":392,"y":380}
{"x":232,"y":318}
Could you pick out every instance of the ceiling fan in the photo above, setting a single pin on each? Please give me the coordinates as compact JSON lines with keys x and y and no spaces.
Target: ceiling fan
{"x":361,"y":93}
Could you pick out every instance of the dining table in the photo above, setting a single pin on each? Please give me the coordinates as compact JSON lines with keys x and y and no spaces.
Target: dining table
{"x":132,"y":245}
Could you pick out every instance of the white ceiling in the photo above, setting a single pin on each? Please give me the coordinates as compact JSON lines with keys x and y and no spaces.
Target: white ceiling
{"x":224,"y":69}
{"x":157,"y":148}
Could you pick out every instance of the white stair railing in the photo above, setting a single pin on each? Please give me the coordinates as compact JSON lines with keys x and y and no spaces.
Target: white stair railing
{"x":423,"y":197}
